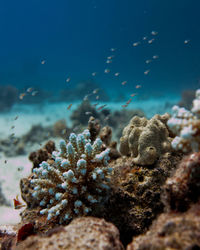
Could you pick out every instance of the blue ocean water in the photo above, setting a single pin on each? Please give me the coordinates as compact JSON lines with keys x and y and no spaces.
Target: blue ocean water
{"x":45,"y":42}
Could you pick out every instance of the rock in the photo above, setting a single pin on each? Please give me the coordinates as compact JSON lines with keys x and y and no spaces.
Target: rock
{"x":135,"y":201}
{"x":172,"y":231}
{"x":82,"y":233}
{"x":183,"y":188}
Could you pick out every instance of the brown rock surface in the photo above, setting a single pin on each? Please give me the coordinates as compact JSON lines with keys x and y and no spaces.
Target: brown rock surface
{"x":183,"y":188}
{"x":172,"y":231}
{"x":135,"y":201}
{"x":82,"y":233}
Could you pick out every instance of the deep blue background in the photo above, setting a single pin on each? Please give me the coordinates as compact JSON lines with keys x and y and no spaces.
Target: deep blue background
{"x":75,"y":36}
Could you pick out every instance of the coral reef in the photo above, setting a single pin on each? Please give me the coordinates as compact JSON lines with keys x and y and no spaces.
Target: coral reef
{"x":13,"y":146}
{"x":82,"y":233}
{"x":187,"y":97}
{"x":146,"y":140}
{"x":105,"y":135}
{"x":60,"y":129}
{"x":80,"y":116}
{"x":42,"y":154}
{"x":185,"y":125}
{"x":172,"y":231}
{"x":75,"y":182}
{"x":8,"y":97}
{"x":94,"y":127}
{"x":135,"y":200}
{"x":183,"y":188}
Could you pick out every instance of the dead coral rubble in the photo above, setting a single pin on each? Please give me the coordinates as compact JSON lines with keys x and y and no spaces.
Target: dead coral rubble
{"x":146,"y":140}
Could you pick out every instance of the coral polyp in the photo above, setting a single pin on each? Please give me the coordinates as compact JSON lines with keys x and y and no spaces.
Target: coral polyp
{"x":75,"y":182}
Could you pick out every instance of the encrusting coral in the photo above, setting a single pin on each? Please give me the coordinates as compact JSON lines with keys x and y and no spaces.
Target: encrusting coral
{"x":146,"y":140}
{"x":185,"y":125}
{"x":75,"y":182}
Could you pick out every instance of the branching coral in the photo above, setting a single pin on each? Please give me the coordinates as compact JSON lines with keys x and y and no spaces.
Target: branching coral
{"x":145,"y":140}
{"x":185,"y":125}
{"x":75,"y":182}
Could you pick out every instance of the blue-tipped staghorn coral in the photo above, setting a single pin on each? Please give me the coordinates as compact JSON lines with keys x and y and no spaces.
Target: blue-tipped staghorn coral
{"x":77,"y":180}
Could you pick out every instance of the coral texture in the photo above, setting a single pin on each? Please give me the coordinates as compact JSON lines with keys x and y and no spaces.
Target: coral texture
{"x":135,"y":200}
{"x":82,"y":233}
{"x":183,"y":187}
{"x":146,"y":140}
{"x":185,"y":125}
{"x":75,"y":182}
{"x":42,"y":154}
{"x":172,"y":231}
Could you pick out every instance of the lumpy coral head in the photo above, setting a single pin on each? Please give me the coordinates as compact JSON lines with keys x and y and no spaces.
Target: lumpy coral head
{"x":145,"y":140}
{"x":77,"y":180}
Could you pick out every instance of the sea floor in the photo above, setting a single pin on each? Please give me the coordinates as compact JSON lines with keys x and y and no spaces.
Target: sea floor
{"x":20,"y":119}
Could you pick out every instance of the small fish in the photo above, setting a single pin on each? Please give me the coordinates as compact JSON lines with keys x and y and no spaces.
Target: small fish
{"x":101,"y":107}
{"x":17,"y":203}
{"x":146,"y":72}
{"x":76,"y":128}
{"x":134,"y":94}
{"x":34,"y":93}
{"x":186,"y":41}
{"x":109,"y":61}
{"x":136,"y":44}
{"x":29,"y":90}
{"x":95,"y":104}
{"x":12,"y":127}
{"x":117,"y":74}
{"x":129,"y":101}
{"x":13,"y":134}
{"x":5,"y":161}
{"x":97,"y":97}
{"x":69,"y":106}
{"x":151,"y":41}
{"x":16,"y":117}
{"x":124,"y":106}
{"x":138,"y":86}
{"x":64,"y":131}
{"x":95,"y":91}
{"x":124,"y":82}
{"x":106,"y":71}
{"x":43,"y":62}
{"x":94,"y":73}
{"x":21,"y":96}
{"x":110,"y":57}
{"x":155,"y":57}
{"x":88,"y":113}
{"x":144,"y":38}
{"x":68,"y":79}
{"x":148,"y":61}
{"x":85,"y":98}
{"x":112,"y":49}
{"x":154,"y":33}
